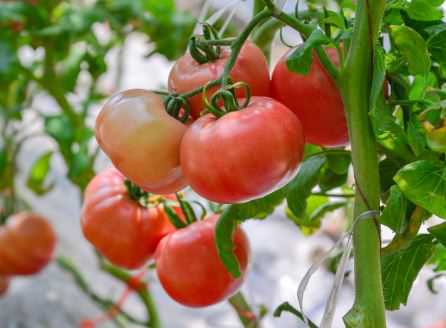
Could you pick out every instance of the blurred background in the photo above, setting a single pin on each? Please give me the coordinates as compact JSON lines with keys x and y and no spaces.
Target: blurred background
{"x":69,"y":61}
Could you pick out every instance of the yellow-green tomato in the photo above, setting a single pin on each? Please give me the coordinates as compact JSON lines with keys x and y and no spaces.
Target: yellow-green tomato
{"x":142,"y":140}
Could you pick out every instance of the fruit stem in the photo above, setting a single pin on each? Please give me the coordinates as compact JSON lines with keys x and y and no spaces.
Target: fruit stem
{"x":355,"y":82}
{"x":247,"y":316}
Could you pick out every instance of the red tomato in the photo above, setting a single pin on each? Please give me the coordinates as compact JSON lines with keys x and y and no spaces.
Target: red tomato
{"x":142,"y":140}
{"x":4,"y":285}
{"x":190,"y":269}
{"x":121,"y":229}
{"x":243,"y":155}
{"x":251,"y":67}
{"x":315,"y":99}
{"x":27,"y":243}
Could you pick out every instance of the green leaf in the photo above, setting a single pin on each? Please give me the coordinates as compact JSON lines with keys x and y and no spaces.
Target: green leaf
{"x":8,"y":61}
{"x":301,"y":186}
{"x":329,"y":180}
{"x":37,"y":176}
{"x":388,"y":133}
{"x":439,"y":258}
{"x":70,"y":68}
{"x":301,"y":58}
{"x":394,"y":215}
{"x":259,"y":208}
{"x":416,"y":136}
{"x":423,"y":183}
{"x":413,"y":48}
{"x":424,"y":10}
{"x":439,"y":232}
{"x":400,"y":270}
{"x":339,"y":162}
{"x":436,"y":46}
{"x":80,"y":170}
{"x":60,"y":128}
{"x":387,"y":170}
{"x":287,"y":307}
{"x":379,"y":74}
{"x":161,"y":9}
{"x":3,"y":161}
{"x":335,"y":19}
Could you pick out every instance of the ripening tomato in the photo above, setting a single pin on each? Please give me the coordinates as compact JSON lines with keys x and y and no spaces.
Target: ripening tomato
{"x":27,"y":242}
{"x":315,"y":99}
{"x":142,"y":140}
{"x":251,"y":67}
{"x":121,"y":229}
{"x":243,"y":155}
{"x":190,"y":269}
{"x":4,"y":285}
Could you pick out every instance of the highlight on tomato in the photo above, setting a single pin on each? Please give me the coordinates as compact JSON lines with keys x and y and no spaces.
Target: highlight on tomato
{"x":315,"y":99}
{"x":189,"y":268}
{"x":27,"y":243}
{"x":122,"y":222}
{"x":142,"y":140}
{"x":245,"y":154}
{"x":251,"y":67}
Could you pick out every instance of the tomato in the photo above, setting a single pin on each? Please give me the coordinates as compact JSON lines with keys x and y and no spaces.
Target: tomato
{"x":315,"y":99}
{"x":4,"y":285}
{"x":121,"y":229}
{"x":243,"y":155}
{"x":251,"y":67}
{"x":189,"y":268}
{"x":27,"y":242}
{"x":142,"y":140}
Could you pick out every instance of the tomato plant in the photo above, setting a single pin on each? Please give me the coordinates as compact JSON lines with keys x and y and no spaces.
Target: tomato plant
{"x":27,"y":244}
{"x":109,"y":206}
{"x":190,"y":269}
{"x":147,"y":149}
{"x":251,"y":67}
{"x":315,"y":99}
{"x":265,"y":160}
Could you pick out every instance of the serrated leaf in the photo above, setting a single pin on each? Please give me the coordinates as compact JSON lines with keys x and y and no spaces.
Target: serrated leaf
{"x":424,"y":183}
{"x":300,"y":188}
{"x":439,"y":232}
{"x":300,"y":59}
{"x":394,"y":215}
{"x":38,"y":174}
{"x":413,"y":48}
{"x":400,"y":270}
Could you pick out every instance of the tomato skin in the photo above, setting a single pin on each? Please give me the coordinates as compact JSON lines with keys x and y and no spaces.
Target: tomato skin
{"x":251,"y":67}
{"x":190,"y":270}
{"x":315,"y":99}
{"x":244,"y":154}
{"x":4,"y":285}
{"x":27,"y":243}
{"x":126,"y":233}
{"x":142,"y":140}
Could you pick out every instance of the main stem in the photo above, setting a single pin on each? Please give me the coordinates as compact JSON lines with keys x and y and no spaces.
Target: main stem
{"x":368,"y":310}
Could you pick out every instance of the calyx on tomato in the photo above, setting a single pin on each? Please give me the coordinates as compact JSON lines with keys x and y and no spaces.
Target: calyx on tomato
{"x":124,"y":223}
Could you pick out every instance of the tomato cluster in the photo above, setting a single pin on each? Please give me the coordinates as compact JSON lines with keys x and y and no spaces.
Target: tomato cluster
{"x":27,"y":242}
{"x":231,"y":142}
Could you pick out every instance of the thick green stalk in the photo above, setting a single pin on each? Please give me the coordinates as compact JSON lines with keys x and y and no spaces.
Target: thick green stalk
{"x":368,"y":310}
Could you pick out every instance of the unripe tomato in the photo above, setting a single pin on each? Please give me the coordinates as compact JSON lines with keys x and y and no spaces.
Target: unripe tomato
{"x":142,"y":140}
{"x":251,"y":67}
{"x":27,"y":242}
{"x":4,"y":285}
{"x":243,"y":155}
{"x":190,"y":269}
{"x":121,"y":229}
{"x":315,"y":99}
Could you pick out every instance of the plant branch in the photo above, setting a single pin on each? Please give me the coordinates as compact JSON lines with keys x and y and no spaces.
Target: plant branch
{"x":403,"y":240}
{"x":368,"y":310}
{"x":244,"y":311}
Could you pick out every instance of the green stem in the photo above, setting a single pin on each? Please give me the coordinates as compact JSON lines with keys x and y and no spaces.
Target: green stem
{"x":244,"y":311}
{"x":403,"y":240}
{"x":238,"y":43}
{"x":264,"y":35}
{"x":368,"y":310}
{"x":104,"y":303}
{"x":143,"y":293}
{"x":333,"y":195}
{"x":305,"y":30}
